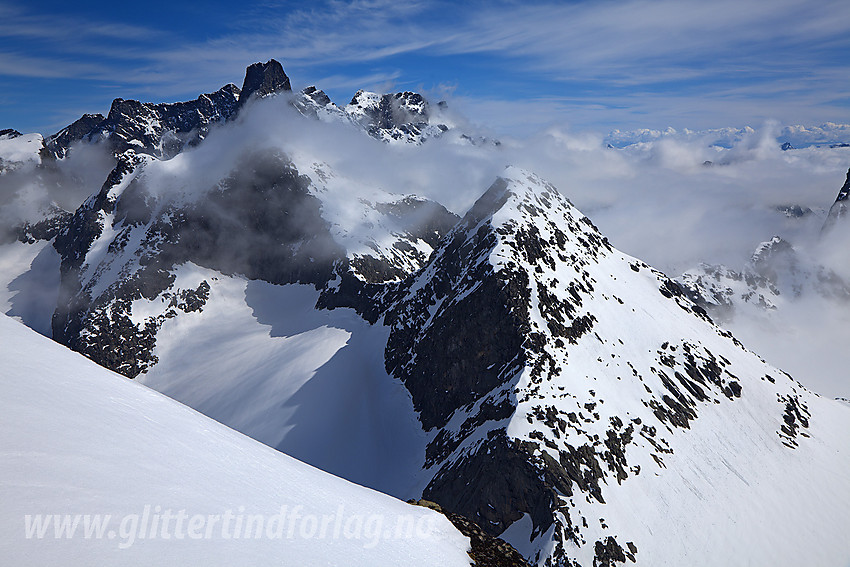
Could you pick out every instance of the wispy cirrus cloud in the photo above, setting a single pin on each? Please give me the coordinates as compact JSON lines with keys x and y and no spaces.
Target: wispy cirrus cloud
{"x":650,"y":61}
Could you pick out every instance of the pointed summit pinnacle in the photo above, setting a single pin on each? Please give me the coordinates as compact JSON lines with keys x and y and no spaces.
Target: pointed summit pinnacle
{"x":263,"y":79}
{"x":839,"y":208}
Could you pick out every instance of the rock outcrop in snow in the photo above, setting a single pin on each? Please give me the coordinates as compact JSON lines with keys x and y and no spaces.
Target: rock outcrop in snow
{"x":162,"y":130}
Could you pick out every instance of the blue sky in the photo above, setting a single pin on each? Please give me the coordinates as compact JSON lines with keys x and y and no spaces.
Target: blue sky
{"x":514,"y":66}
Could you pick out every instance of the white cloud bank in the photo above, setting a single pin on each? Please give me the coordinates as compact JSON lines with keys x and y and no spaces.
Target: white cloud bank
{"x":656,"y":199}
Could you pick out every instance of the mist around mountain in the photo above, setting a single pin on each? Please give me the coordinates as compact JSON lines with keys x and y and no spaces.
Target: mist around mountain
{"x":718,"y":193}
{"x":367,"y":288}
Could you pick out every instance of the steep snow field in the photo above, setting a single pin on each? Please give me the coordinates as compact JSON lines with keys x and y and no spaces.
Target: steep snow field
{"x":22,"y":149}
{"x":259,"y":358}
{"x":78,"y":439}
{"x":15,"y":259}
{"x":29,"y":283}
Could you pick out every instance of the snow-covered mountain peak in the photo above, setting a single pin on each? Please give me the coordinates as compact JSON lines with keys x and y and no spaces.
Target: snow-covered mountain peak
{"x":403,"y":117}
{"x":162,"y":129}
{"x":510,"y":365}
{"x":404,"y":106}
{"x":529,"y":220}
{"x":315,"y":103}
{"x":515,"y":344}
{"x":520,"y":196}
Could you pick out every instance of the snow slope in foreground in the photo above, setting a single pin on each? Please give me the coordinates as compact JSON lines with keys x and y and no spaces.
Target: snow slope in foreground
{"x":77,"y":439}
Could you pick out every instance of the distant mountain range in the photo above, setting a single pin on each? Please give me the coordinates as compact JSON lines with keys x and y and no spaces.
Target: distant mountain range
{"x":791,"y":137}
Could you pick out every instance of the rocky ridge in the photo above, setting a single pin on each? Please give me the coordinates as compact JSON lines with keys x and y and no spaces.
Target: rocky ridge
{"x":510,"y":341}
{"x":163,"y":130}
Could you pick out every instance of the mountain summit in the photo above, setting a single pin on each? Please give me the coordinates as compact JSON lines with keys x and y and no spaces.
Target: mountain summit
{"x":263,"y":79}
{"x":548,"y":414}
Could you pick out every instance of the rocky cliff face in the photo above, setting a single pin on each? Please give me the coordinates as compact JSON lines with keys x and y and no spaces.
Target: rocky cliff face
{"x":263,"y":79}
{"x":839,"y":208}
{"x":515,"y":342}
{"x":161,"y":130}
{"x":56,"y":146}
{"x":264,"y":220}
{"x":400,"y":117}
{"x":515,"y":333}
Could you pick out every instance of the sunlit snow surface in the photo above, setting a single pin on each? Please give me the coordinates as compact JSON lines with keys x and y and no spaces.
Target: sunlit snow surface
{"x":259,"y":358}
{"x":18,"y":150}
{"x":78,"y":439}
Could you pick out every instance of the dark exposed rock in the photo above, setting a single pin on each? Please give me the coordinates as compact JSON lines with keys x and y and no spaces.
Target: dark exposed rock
{"x":463,"y":356}
{"x":463,"y":336}
{"x":391,"y":110}
{"x":262,"y":79}
{"x":9,"y":133}
{"x":243,"y":226}
{"x":839,"y":208}
{"x":795,"y":418}
{"x":499,"y":483}
{"x":52,"y":223}
{"x":311,"y":100}
{"x":471,"y":348}
{"x":261,"y":222}
{"x":163,"y":130}
{"x":486,"y":550}
{"x":423,"y":220}
{"x":608,"y":553}
{"x":483,"y":314}
{"x":403,"y":116}
{"x":56,"y":146}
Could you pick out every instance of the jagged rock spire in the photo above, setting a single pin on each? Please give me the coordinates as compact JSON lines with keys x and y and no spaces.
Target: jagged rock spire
{"x":839,"y":208}
{"x":262,"y":79}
